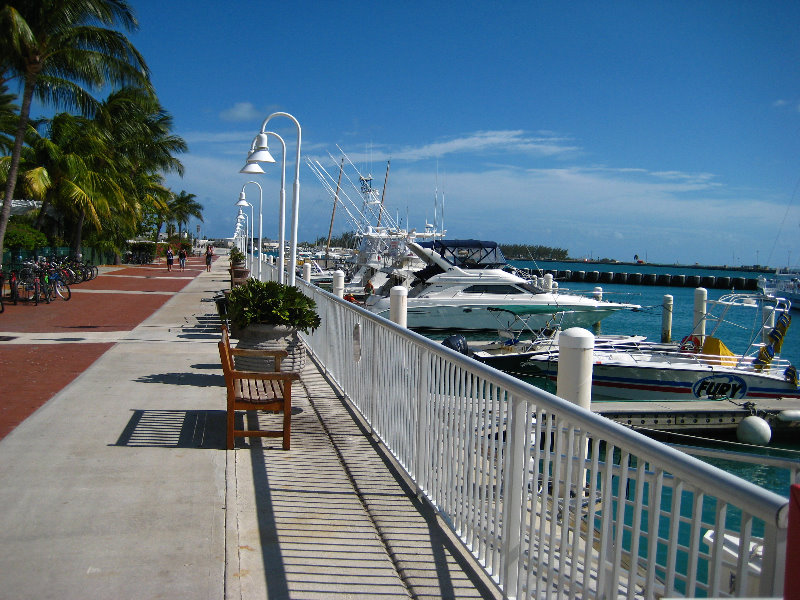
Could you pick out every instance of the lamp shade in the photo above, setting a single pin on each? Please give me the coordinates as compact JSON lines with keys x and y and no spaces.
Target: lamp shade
{"x":252,"y":168}
{"x":261,"y":153}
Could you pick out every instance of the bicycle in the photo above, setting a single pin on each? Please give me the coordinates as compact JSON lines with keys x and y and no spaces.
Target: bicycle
{"x":55,"y":285}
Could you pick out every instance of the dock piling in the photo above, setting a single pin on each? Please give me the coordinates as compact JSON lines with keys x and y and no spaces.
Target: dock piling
{"x":666,"y":320}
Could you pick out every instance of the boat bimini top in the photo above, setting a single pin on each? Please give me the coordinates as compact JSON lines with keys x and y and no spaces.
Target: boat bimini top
{"x":468,"y":254}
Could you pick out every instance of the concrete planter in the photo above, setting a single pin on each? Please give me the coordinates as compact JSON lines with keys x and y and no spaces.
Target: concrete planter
{"x":261,"y":336}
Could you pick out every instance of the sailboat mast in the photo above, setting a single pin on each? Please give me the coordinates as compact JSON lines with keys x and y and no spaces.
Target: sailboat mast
{"x":333,"y":212}
{"x":383,"y":194}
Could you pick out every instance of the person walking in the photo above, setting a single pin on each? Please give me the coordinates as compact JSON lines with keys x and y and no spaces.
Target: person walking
{"x":170,"y":258}
{"x":209,"y":256}
{"x":182,"y":258}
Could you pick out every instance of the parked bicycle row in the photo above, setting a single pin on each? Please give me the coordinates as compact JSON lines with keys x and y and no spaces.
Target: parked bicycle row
{"x":43,"y":280}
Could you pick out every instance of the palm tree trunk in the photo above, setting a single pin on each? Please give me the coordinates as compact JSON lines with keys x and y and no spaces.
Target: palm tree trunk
{"x":40,"y":219}
{"x":77,"y":237}
{"x":11,"y":183}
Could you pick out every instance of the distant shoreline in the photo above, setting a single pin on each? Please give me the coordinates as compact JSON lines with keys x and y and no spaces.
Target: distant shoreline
{"x":743,"y":268}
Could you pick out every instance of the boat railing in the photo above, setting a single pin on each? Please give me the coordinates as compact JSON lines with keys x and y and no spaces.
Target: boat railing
{"x":591,"y":509}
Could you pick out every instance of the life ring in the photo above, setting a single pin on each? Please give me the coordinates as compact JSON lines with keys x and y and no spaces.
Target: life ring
{"x":691,"y":343}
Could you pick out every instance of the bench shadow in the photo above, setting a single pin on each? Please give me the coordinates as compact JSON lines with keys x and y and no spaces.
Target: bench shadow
{"x":192,"y":379}
{"x":202,"y":429}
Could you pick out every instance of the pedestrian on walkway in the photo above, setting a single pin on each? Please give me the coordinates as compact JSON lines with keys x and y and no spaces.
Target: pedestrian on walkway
{"x":182,"y":258}
{"x":209,"y":256}
{"x":170,"y":258}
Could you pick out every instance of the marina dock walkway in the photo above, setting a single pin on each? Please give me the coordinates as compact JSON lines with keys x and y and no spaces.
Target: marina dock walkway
{"x":119,"y":486}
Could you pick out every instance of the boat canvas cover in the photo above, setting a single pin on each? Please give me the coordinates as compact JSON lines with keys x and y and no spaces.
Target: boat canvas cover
{"x":714,"y":347}
{"x":468,"y":254}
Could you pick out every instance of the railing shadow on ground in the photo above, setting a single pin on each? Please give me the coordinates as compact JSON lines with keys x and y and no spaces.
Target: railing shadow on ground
{"x":199,"y":429}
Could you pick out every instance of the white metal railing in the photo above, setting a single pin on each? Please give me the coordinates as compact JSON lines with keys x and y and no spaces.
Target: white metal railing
{"x":553,"y":500}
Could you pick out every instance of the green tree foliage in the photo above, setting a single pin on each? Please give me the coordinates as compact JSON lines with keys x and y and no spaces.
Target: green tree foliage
{"x":528,"y":252}
{"x":347,"y":240}
{"x":57,"y":49}
{"x":25,"y":237}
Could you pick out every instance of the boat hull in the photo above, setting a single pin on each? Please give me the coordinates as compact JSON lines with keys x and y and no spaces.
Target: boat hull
{"x":478,"y":317}
{"x":642,"y":383}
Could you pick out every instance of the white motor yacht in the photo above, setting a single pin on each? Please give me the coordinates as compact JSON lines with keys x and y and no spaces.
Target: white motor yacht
{"x":464,"y":288}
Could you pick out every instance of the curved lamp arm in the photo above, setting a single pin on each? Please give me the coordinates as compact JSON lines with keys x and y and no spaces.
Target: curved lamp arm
{"x":295,"y":191}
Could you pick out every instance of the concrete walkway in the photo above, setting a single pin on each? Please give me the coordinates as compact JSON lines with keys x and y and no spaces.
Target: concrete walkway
{"x":119,"y":486}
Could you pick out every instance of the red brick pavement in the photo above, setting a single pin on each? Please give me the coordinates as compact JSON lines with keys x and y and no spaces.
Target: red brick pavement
{"x":32,"y":374}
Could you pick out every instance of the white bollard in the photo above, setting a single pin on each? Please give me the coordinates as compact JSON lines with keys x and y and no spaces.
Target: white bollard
{"x":768,"y":318}
{"x":548,"y":282}
{"x":597,"y":294}
{"x":338,"y":283}
{"x":700,"y":300}
{"x":307,"y":272}
{"x":398,"y":305}
{"x":574,"y":383}
{"x":575,"y":355}
{"x":666,"y":320}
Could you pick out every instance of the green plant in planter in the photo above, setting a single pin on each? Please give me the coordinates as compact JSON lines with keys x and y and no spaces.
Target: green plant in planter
{"x":272,"y":303}
{"x":236,"y":256}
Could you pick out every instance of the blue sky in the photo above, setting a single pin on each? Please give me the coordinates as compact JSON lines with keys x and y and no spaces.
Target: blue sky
{"x":663,"y":129}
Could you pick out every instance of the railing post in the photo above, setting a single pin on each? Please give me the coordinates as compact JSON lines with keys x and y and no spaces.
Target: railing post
{"x":421,"y":446}
{"x":307,"y":272}
{"x":666,"y":320}
{"x":514,"y":499}
{"x":398,"y":305}
{"x":791,"y":588}
{"x":338,"y":283}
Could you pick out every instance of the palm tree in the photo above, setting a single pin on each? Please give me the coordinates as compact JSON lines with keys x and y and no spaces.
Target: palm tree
{"x":56,"y":46}
{"x":182,"y":207}
{"x":138,"y":129}
{"x":81,"y":176}
{"x":8,"y":118}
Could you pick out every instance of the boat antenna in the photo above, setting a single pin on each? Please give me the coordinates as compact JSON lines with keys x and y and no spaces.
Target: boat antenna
{"x":442,"y":223}
{"x":333,"y":212}
{"x":383,"y":194}
{"x":435,"y":197}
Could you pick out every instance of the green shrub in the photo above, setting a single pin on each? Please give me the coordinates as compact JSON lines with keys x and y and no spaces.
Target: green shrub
{"x":23,"y":236}
{"x":272,"y":303}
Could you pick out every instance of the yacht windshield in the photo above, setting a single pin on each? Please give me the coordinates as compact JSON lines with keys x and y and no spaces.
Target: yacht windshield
{"x":468,"y":254}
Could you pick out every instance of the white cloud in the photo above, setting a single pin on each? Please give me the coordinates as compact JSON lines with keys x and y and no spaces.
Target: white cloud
{"x":508,"y":142}
{"x":241,"y":111}
{"x":618,"y":211}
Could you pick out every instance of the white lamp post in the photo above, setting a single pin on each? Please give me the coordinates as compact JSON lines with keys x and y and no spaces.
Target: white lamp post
{"x":243,"y":198}
{"x":240,"y":218}
{"x":241,"y":204}
{"x":261,"y":154}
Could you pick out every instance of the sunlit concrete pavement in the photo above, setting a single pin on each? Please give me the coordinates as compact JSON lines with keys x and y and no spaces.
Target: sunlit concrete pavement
{"x":119,"y":486}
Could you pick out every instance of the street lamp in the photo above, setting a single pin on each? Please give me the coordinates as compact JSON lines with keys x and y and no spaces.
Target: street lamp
{"x":261,"y":154}
{"x":241,"y":204}
{"x":240,"y":218}
{"x":243,"y":198}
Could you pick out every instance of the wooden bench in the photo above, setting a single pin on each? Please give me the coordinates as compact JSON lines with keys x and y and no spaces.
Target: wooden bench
{"x":251,"y":390}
